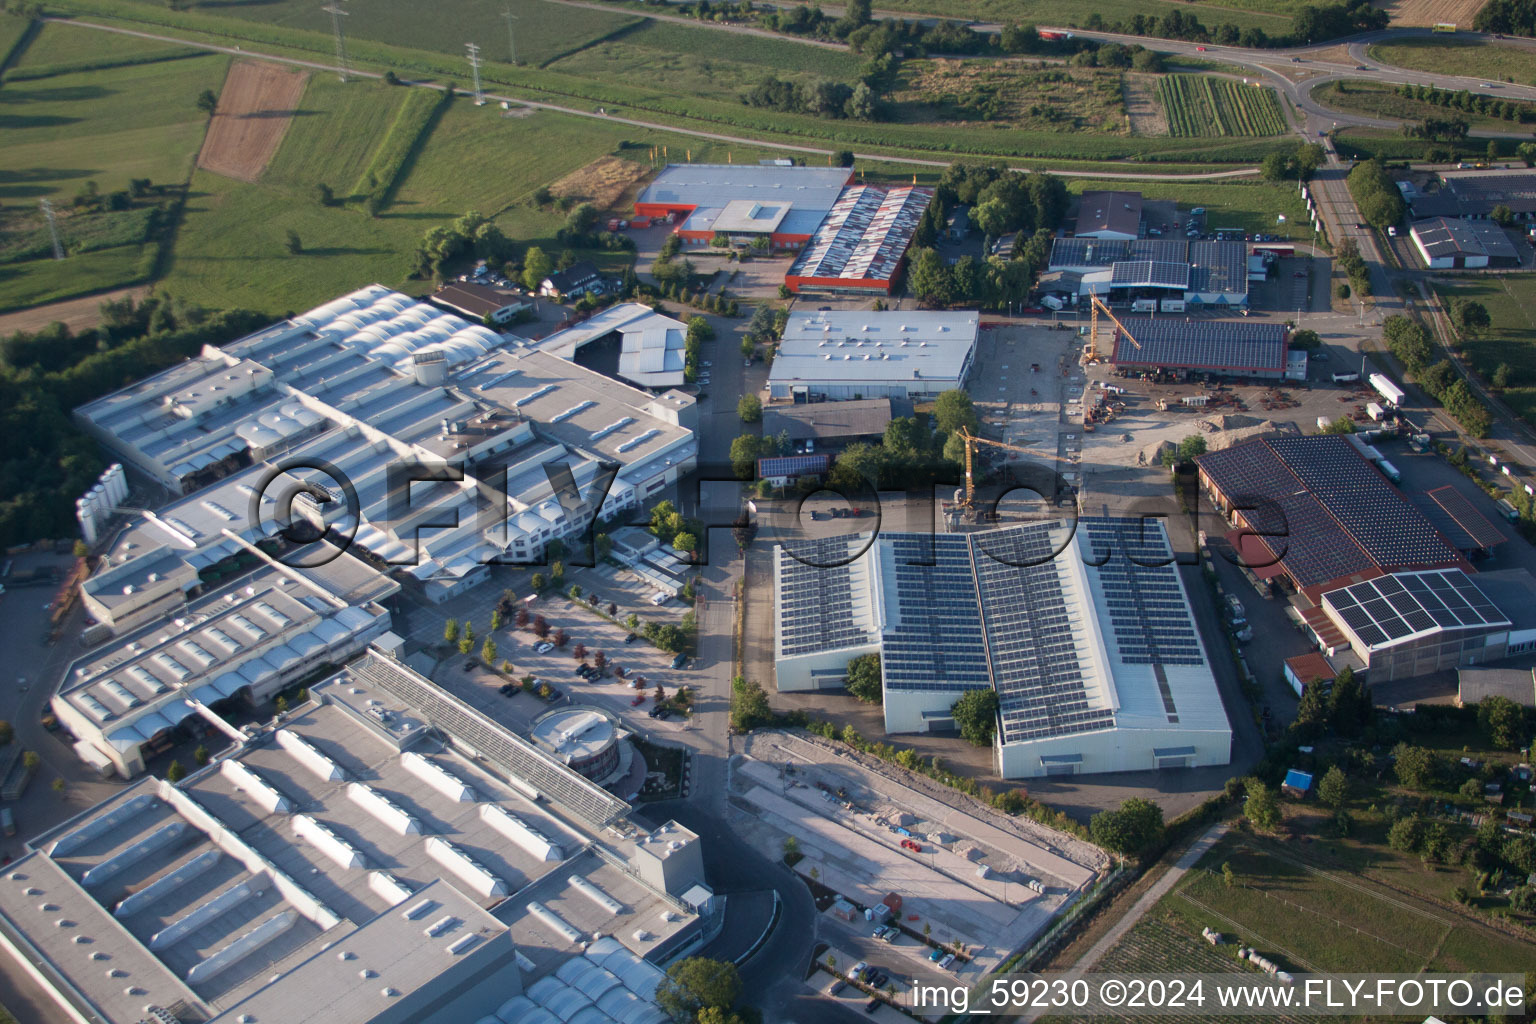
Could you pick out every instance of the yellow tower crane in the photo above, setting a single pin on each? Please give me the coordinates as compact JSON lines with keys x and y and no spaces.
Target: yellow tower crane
{"x":972,"y":442}
{"x":1096,"y":304}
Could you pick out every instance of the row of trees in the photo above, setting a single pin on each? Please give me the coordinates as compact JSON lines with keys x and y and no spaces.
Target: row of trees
{"x":1471,"y":103}
{"x":1347,"y":255}
{"x":1376,"y":194}
{"x":1410,"y":342}
{"x":821,"y":97}
{"x":1512,"y":17}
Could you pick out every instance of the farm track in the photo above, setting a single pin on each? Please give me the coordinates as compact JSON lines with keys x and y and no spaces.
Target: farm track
{"x":316,"y":65}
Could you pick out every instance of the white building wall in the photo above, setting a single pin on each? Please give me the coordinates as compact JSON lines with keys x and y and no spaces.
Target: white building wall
{"x":822,"y":670}
{"x":904,"y":709}
{"x":1112,"y":750}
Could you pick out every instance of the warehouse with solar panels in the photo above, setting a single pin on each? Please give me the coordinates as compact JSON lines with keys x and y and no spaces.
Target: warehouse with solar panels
{"x":1313,"y":514}
{"x":1085,"y":633}
{"x":1199,"y":273}
{"x":1242,"y":348}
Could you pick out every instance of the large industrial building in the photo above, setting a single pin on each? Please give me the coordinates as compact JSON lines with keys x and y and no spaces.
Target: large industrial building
{"x":1313,"y":512}
{"x":1115,"y":215}
{"x":382,"y":854}
{"x":861,"y":248}
{"x":1445,"y":243}
{"x":840,"y":354}
{"x":744,"y":201}
{"x":1475,"y":194}
{"x":1201,"y":273}
{"x":1242,"y":348}
{"x":1086,"y":634}
{"x":365,"y":387}
{"x":219,"y":644}
{"x":652,"y":347}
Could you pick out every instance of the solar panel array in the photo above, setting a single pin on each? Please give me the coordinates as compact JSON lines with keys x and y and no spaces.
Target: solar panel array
{"x":1479,"y":530}
{"x":937,"y":642}
{"x":517,"y":758}
{"x":1218,"y":267}
{"x":1335,"y":515}
{"x":816,"y":596}
{"x":865,"y":235}
{"x":1388,"y":609}
{"x":1149,"y":274}
{"x":1149,"y":617}
{"x":1030,"y":635}
{"x":1203,"y":345}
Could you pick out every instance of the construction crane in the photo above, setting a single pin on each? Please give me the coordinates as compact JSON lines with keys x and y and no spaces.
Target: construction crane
{"x":972,"y":442}
{"x":1097,"y":304}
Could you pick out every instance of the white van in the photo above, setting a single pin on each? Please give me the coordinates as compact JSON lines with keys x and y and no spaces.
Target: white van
{"x":1346,"y":378}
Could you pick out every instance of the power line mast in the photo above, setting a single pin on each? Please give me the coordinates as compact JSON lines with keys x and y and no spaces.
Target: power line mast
{"x":511,"y":35}
{"x":53,"y":229}
{"x":337,"y":12}
{"x":474,"y":67}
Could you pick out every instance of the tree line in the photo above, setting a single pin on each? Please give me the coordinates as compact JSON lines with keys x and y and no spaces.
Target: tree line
{"x":1411,"y":343}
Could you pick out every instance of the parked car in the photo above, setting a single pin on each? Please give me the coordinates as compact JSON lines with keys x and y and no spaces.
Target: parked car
{"x":681,"y":661}
{"x":543,"y":647}
{"x":837,"y":986}
{"x":659,"y":598}
{"x":936,"y":955}
{"x":630,"y":638}
{"x":878,"y":979}
{"x":908,"y":844}
{"x":872,"y":1006}
{"x":639,"y":699}
{"x":948,"y":960}
{"x":858,"y":969}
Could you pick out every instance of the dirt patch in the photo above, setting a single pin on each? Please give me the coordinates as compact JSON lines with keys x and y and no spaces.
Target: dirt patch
{"x":1423,"y":13}
{"x":254,"y":109}
{"x":608,"y":183}
{"x":1141,"y":106}
{"x":76,"y":314}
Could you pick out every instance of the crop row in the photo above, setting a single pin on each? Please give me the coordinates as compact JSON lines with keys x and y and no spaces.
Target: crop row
{"x":1199,"y":106}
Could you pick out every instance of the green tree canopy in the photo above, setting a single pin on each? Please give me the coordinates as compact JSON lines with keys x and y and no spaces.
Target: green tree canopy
{"x":697,"y":984}
{"x":1416,"y":767}
{"x":1261,"y":807}
{"x":1333,"y":789}
{"x":1135,"y":827}
{"x":976,"y":715}
{"x":864,"y":678}
{"x":952,"y":410}
{"x":1502,"y":721}
{"x":536,"y":267}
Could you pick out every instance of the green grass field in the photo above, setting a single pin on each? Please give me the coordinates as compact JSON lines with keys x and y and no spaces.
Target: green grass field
{"x":543,"y":32}
{"x":768,"y":56}
{"x":1251,"y":206}
{"x":1273,"y":16}
{"x":1375,"y":100}
{"x":63,"y":131}
{"x":1458,"y":55}
{"x":1511,"y":303}
{"x":1201,"y":106}
{"x":60,"y":47}
{"x":12,"y":29}
{"x":338,"y":127}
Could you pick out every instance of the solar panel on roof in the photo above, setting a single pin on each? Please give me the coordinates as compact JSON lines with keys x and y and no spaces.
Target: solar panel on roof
{"x":1409,"y":604}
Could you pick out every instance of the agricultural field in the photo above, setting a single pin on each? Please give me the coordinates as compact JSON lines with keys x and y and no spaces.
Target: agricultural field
{"x":1249,"y":205}
{"x":1376,"y":100}
{"x":1273,"y":16}
{"x":95,"y":126}
{"x":1511,"y":303}
{"x":1017,"y":92}
{"x":72,"y":129}
{"x":657,"y":56}
{"x":1306,"y":915}
{"x":543,"y":33}
{"x":1459,"y":55}
{"x":12,"y":29}
{"x":59,"y":48}
{"x":1164,"y":943}
{"x":1426,"y":13}
{"x":1202,"y":106}
{"x":351,"y":117}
